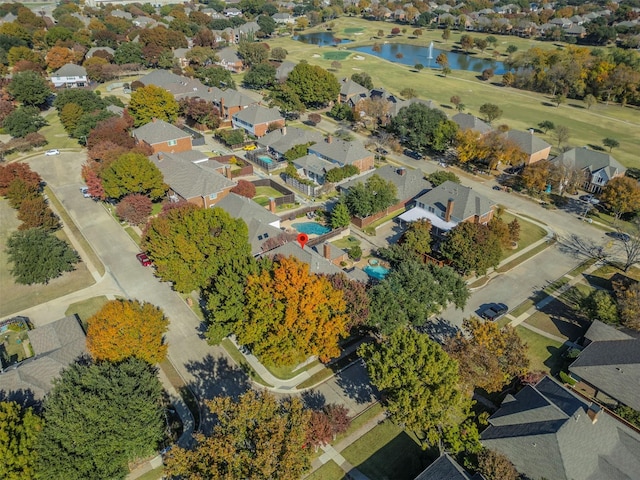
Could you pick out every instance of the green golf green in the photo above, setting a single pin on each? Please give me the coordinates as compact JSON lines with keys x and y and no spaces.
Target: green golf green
{"x":340,"y":55}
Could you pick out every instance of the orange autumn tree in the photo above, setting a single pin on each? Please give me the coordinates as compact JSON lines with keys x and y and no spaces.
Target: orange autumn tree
{"x":127,"y":328}
{"x":292,"y":314}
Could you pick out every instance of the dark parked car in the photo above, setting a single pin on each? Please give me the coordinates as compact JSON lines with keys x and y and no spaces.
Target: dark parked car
{"x":494,"y":311}
{"x":143,"y":259}
{"x":412,"y":154}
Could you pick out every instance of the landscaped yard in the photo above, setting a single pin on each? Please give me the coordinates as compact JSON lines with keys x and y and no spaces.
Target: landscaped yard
{"x":85,"y":309}
{"x":347,"y":242}
{"x":55,"y":133}
{"x":387,"y":452}
{"x":17,"y":297}
{"x":263,"y":194}
{"x":529,"y":233}
{"x":544,"y":354}
{"x":14,"y":346}
{"x":329,"y":471}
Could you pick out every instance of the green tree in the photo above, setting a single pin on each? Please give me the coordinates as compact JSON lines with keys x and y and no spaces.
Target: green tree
{"x":29,"y":88}
{"x":39,"y":256}
{"x":190,"y":245}
{"x":88,"y":100}
{"x":420,"y":384}
{"x":621,"y":195}
{"x":23,"y":121}
{"x":279,"y":54}
{"x":611,"y":143}
{"x":267,"y":24}
{"x":446,"y":34}
{"x":97,"y":418}
{"x":439,"y":177}
{"x":129,"y":52}
{"x":559,"y":99}
{"x":511,"y":49}
{"x":133,"y":173}
{"x":127,"y":328}
{"x":363,"y":79}
{"x":286,"y":99}
{"x":546,"y":125}
{"x":496,"y":466}
{"x":297,"y":151}
{"x":314,"y":85}
{"x":446,"y":71}
{"x":590,"y":101}
{"x":252,"y":53}
{"x":562,"y":134}
{"x":600,"y":305}
{"x":255,"y":437}
{"x":490,"y":112}
{"x":215,"y":76}
{"x":417,"y":237}
{"x":19,"y":432}
{"x":422,"y":128}
{"x":70,"y":116}
{"x":340,"y":215}
{"x":412,"y":292}
{"x":261,"y":75}
{"x":472,"y":247}
{"x":364,"y":199}
{"x":152,"y":102}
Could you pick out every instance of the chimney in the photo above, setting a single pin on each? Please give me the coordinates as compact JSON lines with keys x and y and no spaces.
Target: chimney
{"x":329,"y":139}
{"x":449,"y":210}
{"x":222,"y":114}
{"x":272,"y":205}
{"x":227,"y":171}
{"x":154,"y":119}
{"x":326,"y":250}
{"x":159,"y":156}
{"x":283,"y":130}
{"x":593,"y":412}
{"x":402,"y":172}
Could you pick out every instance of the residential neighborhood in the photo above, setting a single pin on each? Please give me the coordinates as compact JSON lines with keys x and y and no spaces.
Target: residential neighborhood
{"x":320,"y":240}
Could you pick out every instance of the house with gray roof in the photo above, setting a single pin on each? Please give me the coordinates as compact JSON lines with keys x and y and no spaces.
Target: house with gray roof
{"x":192,"y":182}
{"x":549,"y":432}
{"x":283,"y":18}
{"x":178,"y":85}
{"x":601,"y":332}
{"x":283,"y":71}
{"x":257,"y":120}
{"x":612,"y":369}
{"x":446,"y":468}
{"x":161,"y":136}
{"x":341,"y":153}
{"x":229,"y":59}
{"x":598,"y":167}
{"x":318,"y":264}
{"x":466,"y":121}
{"x":262,"y":224}
{"x":449,"y":204}
{"x":533,"y":147}
{"x":69,"y":76}
{"x":55,"y":345}
{"x":350,"y":89}
{"x":93,"y":50}
{"x":313,"y":168}
{"x":280,"y":141}
{"x":409,"y":183}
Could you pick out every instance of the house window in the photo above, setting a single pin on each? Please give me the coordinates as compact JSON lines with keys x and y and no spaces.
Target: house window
{"x":213,"y":196}
{"x":172,"y":143}
{"x":431,"y":209}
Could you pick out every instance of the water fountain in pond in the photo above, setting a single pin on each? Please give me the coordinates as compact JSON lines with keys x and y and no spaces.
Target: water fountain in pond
{"x":430,"y":57}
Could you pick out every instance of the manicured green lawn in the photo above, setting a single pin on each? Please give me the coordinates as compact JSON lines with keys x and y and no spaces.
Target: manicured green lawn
{"x":329,"y":471}
{"x":529,"y":233}
{"x":544,"y":354}
{"x":55,"y":133}
{"x":155,"y":474}
{"x":347,"y":242}
{"x":85,"y":309}
{"x":286,"y":372}
{"x":386,"y":452}
{"x":338,"y":55}
{"x":522,"y":109}
{"x":267,"y":192}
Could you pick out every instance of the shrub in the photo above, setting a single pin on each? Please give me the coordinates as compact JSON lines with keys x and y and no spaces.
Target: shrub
{"x":134,"y":209}
{"x":314,"y":118}
{"x":245,"y":188}
{"x":355,"y":252}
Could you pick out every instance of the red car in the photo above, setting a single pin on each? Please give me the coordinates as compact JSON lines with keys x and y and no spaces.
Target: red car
{"x":143,"y":259}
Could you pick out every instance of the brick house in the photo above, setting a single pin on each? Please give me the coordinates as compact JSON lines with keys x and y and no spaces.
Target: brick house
{"x":161,"y":136}
{"x":341,"y":153}
{"x":598,"y":167}
{"x":190,"y":181}
{"x":256,"y":119}
{"x":535,"y":148}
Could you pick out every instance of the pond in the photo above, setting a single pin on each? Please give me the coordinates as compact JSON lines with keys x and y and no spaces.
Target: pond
{"x":414,"y":54}
{"x":321,"y":39}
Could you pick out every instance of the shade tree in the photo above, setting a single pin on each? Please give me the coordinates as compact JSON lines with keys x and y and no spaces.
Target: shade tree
{"x":423,"y":128}
{"x":29,"y":88}
{"x":472,"y":247}
{"x":314,"y":86}
{"x":19,"y":431}
{"x":621,"y":195}
{"x":255,"y":437}
{"x":133,"y":173}
{"x":152,"y":102}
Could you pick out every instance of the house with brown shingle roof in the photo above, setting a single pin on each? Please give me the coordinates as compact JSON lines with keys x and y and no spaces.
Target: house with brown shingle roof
{"x":161,"y":136}
{"x":257,"y":119}
{"x":532,"y":146}
{"x":341,"y":153}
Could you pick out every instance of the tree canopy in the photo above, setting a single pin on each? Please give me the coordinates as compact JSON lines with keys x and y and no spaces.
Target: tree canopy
{"x":190,"y":245}
{"x":39,"y":256}
{"x":413,"y":292}
{"x":373,"y":196}
{"x":621,"y":195}
{"x":127,"y":328}
{"x":422,"y":128}
{"x":19,"y":431}
{"x":291,"y":314}
{"x":314,"y":86}
{"x":151,"y":102}
{"x":29,"y":88}
{"x":256,"y":437}
{"x":472,"y":247}
{"x":421,"y":385}
{"x":23,"y":121}
{"x":489,"y":357}
{"x":133,"y":173}
{"x":97,"y":418}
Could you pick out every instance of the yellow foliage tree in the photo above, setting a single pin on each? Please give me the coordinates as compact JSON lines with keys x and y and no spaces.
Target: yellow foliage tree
{"x":292,"y":314}
{"x":58,"y":57}
{"x":127,"y":328}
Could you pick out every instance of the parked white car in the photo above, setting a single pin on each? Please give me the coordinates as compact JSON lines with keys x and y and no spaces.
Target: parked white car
{"x":85,"y":192}
{"x":54,"y":151}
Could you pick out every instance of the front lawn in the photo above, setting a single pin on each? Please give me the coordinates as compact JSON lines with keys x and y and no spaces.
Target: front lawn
{"x":386,"y":452}
{"x":85,"y":309}
{"x":347,"y":242}
{"x":529,"y":234}
{"x":544,"y":354}
{"x":328,"y":471}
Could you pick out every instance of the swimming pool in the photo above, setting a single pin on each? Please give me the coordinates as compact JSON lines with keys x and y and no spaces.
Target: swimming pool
{"x":376,"y":271}
{"x":311,"y":228}
{"x":265,"y":159}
